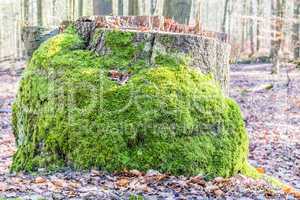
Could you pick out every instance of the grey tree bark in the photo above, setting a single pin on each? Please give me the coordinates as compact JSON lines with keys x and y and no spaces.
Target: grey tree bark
{"x":225,"y":16}
{"x":251,"y":31}
{"x":80,"y":7}
{"x":244,"y":27}
{"x":296,"y":29}
{"x":277,"y":41}
{"x":39,"y":12}
{"x":258,"y":25}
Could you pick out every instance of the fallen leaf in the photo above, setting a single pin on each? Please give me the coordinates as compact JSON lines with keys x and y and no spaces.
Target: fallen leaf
{"x":58,"y":182}
{"x":95,"y":172}
{"x":3,"y":187}
{"x":287,"y":189}
{"x":260,"y":170}
{"x":218,"y":192}
{"x":40,"y":180}
{"x":122,"y":182}
{"x":135,"y":172}
{"x":198,"y":180}
{"x":219,"y":180}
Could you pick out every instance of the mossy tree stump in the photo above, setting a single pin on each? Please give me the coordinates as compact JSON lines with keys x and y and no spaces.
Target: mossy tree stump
{"x":72,"y":109}
{"x":209,"y":55}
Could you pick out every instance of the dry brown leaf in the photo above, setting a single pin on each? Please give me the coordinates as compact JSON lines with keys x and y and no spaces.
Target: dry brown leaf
{"x":287,"y":189}
{"x":160,"y":177}
{"x":198,"y":180}
{"x":73,"y":185}
{"x":296,"y":194}
{"x":58,"y":183}
{"x":260,"y":170}
{"x":40,"y":180}
{"x":218,"y":192}
{"x":3,"y":187}
{"x":219,"y":180}
{"x":122,"y":182}
{"x":135,"y":172}
{"x":95,"y":172}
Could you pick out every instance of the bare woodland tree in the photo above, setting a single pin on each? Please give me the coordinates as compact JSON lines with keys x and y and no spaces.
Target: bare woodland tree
{"x":258,"y":23}
{"x":39,"y":12}
{"x":296,"y":29}
{"x":225,"y":16}
{"x":251,"y":30}
{"x":278,"y":9}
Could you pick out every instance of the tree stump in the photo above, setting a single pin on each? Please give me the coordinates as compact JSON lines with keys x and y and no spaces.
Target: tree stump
{"x":209,"y":55}
{"x":112,"y":99}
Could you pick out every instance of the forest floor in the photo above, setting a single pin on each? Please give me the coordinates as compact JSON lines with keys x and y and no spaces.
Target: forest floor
{"x":271,"y":107}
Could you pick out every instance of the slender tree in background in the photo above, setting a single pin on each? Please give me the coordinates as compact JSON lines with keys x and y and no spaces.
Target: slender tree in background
{"x":251,"y":29}
{"x":223,"y":29}
{"x":258,"y":23}
{"x":26,"y":11}
{"x":277,"y":40}
{"x":39,"y":12}
{"x":134,"y":7}
{"x":244,"y":27}
{"x":159,"y":7}
{"x":296,"y":29}
{"x":80,"y":7}
{"x":53,"y":10}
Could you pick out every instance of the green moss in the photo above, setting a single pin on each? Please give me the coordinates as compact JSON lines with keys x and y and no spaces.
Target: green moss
{"x":170,"y":118}
{"x":166,"y":40}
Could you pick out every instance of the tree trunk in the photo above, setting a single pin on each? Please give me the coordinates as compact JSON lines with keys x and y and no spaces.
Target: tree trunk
{"x":39,"y":12}
{"x":26,"y":11}
{"x":296,"y":31}
{"x":179,"y":10}
{"x":102,"y":7}
{"x":159,"y":7}
{"x":80,"y":7}
{"x":223,"y":29}
{"x":133,"y":7}
{"x":259,"y":15}
{"x":277,"y":41}
{"x":251,"y":31}
{"x":244,"y":27}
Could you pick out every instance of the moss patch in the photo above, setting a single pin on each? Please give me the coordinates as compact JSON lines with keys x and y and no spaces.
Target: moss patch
{"x":169,"y":117}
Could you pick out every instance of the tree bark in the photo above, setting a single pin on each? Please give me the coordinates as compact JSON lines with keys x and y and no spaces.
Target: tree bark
{"x":251,"y":31}
{"x":159,"y":7}
{"x":80,"y":7}
{"x":39,"y":12}
{"x":102,"y":7}
{"x":277,"y":41}
{"x":225,"y":16}
{"x":26,"y":11}
{"x":258,"y":34}
{"x":296,"y":31}
{"x":133,"y":7}
{"x":244,"y":27}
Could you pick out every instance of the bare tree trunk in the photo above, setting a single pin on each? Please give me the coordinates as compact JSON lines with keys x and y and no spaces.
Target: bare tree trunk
{"x":259,"y":13}
{"x":244,"y":27}
{"x":296,"y":31}
{"x":102,"y":7}
{"x":159,"y":7}
{"x":223,"y":29}
{"x":26,"y":11}
{"x":53,"y":11}
{"x":277,"y":41}
{"x":251,"y":31}
{"x":133,"y":7}
{"x":39,"y":12}
{"x":80,"y":7}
